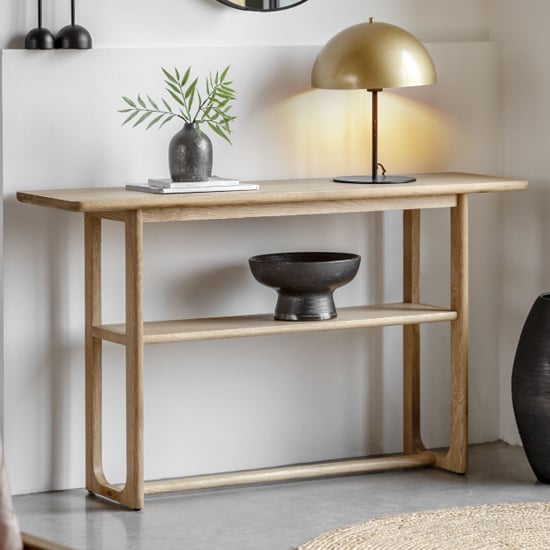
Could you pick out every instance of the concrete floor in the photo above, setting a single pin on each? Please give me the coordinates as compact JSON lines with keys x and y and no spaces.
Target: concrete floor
{"x":277,"y":516}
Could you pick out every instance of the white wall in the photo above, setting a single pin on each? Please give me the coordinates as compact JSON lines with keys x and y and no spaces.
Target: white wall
{"x":236,"y":403}
{"x":139,"y":23}
{"x":523,"y":52}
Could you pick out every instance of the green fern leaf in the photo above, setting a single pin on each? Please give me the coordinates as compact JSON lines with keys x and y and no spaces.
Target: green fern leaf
{"x":142,"y":118}
{"x":185,"y":77}
{"x":167,"y":119}
{"x":130,"y":102}
{"x":219,"y":131}
{"x":129,"y":118}
{"x":191,"y":90}
{"x":154,"y":121}
{"x":176,"y":97}
{"x":167,"y":105}
{"x":168,"y":75}
{"x":153,"y":104}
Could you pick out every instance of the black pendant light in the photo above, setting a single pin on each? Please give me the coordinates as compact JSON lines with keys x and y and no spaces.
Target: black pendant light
{"x":73,"y":37}
{"x":39,"y":38}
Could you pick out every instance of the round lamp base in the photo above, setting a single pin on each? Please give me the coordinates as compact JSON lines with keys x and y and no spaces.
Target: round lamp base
{"x":377,"y":179}
{"x":39,"y":39}
{"x":73,"y":37}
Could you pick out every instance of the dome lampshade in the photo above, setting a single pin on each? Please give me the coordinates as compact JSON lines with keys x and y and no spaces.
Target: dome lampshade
{"x":373,"y":56}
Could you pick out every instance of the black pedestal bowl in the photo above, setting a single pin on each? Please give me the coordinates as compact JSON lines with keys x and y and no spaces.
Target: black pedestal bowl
{"x":305,"y":281}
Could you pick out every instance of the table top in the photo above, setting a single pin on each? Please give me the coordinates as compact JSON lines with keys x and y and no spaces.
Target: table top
{"x":319,"y":190}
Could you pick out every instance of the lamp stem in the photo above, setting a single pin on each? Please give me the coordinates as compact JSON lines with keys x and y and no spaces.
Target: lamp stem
{"x":374,"y":133}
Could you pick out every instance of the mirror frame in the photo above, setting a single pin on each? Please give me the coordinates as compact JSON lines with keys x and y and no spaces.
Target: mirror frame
{"x":237,"y":7}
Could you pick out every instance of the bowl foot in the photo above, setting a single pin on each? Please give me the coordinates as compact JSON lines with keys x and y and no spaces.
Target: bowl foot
{"x":305,"y":306}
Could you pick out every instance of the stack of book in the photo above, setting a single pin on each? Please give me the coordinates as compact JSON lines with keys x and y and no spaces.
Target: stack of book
{"x":213,"y":184}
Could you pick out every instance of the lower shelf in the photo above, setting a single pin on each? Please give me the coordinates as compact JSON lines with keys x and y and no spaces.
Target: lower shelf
{"x":212,"y":328}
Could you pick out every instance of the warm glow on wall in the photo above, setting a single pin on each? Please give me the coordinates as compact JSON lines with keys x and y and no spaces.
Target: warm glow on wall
{"x":414,"y":136}
{"x":327,"y":133}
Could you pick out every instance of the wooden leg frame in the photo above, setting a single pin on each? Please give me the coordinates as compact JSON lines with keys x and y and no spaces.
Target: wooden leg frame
{"x":456,"y":457}
{"x":131,"y":494}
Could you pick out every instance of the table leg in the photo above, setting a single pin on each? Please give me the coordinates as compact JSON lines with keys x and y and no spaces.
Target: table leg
{"x":456,"y":458}
{"x":132,"y":494}
{"x":95,"y":478}
{"x":412,"y":439}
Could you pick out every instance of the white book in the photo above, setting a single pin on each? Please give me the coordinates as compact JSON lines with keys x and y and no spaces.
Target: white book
{"x":146,"y":188}
{"x":169,"y":184}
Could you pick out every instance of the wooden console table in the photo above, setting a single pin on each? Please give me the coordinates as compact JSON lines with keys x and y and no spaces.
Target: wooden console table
{"x":274,"y":198}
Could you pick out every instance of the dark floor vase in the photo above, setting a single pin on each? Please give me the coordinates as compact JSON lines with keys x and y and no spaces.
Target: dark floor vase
{"x":531,"y":387}
{"x":190,"y":155}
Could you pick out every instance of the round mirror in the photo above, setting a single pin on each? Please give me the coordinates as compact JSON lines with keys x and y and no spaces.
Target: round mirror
{"x":262,"y":5}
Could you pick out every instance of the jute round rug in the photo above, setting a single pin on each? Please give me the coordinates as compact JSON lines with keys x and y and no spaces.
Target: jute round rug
{"x":488,"y":527}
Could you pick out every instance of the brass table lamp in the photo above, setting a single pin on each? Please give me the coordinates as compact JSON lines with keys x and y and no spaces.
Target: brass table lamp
{"x":373,"y":56}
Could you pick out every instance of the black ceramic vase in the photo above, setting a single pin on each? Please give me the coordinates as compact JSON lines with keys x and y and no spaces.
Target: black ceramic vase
{"x":531,"y":387}
{"x":190,"y":155}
